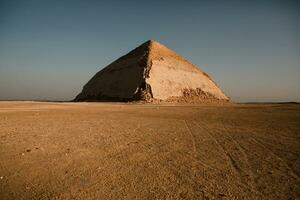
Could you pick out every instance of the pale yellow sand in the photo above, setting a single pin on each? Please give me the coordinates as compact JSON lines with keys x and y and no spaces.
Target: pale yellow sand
{"x":133,"y":151}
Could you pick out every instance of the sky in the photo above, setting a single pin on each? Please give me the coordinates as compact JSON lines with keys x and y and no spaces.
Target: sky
{"x":50,"y":48}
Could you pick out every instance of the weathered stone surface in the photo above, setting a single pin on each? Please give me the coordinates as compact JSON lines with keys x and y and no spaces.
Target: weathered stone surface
{"x":151,"y":72}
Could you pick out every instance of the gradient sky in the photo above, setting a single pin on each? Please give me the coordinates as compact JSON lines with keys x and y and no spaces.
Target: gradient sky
{"x":50,"y":49}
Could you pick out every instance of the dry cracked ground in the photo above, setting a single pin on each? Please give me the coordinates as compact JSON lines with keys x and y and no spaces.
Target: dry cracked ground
{"x":136,"y":151}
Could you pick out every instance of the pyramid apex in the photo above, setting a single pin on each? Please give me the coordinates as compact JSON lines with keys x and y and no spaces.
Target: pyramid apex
{"x":151,"y":41}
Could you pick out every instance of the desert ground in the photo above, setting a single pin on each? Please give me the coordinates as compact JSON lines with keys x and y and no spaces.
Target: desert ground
{"x":145,"y":151}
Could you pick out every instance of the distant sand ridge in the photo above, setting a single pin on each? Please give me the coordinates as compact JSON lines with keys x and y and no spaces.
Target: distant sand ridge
{"x":152,"y":72}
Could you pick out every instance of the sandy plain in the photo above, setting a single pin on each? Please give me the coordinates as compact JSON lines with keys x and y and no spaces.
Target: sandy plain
{"x":144,"y":151}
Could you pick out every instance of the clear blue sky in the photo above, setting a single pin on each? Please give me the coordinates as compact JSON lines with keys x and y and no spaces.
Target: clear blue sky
{"x":50,"y":49}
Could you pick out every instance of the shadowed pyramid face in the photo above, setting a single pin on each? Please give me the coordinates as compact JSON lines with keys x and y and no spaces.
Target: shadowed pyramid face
{"x":151,"y":72}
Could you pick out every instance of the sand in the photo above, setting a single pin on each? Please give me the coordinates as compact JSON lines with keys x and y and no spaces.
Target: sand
{"x":137,"y":151}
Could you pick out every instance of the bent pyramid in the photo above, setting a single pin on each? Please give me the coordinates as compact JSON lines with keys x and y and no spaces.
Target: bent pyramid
{"x":151,"y":72}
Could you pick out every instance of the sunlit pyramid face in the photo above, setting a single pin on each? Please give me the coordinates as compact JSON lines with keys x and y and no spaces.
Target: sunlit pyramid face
{"x":151,"y":72}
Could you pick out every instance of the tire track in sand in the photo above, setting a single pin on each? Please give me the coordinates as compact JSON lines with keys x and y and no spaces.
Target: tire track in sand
{"x":195,"y":152}
{"x":246,"y":170}
{"x":224,"y":149}
{"x":220,"y":147}
{"x":292,"y":173}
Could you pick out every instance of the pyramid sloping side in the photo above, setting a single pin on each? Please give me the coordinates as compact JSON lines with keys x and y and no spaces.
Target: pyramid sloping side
{"x":119,"y":81}
{"x":151,"y":72}
{"x":171,"y":75}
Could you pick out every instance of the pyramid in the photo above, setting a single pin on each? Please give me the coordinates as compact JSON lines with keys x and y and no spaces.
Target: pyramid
{"x":152,"y":72}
